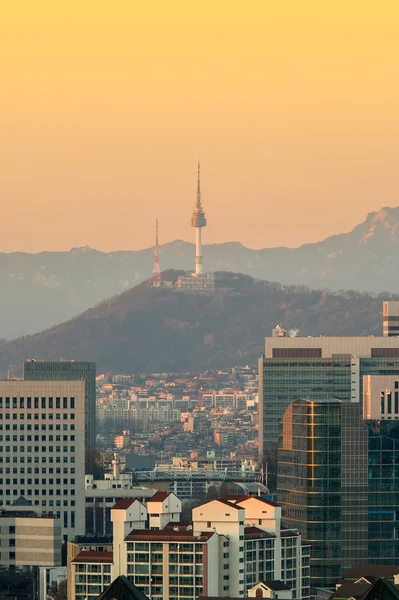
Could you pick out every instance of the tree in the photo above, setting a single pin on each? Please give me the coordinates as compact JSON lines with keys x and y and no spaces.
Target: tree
{"x":59,"y":591}
{"x":94,"y":463}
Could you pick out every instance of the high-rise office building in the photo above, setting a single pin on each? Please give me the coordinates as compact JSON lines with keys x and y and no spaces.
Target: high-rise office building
{"x":321,"y":462}
{"x":391,"y":318}
{"x":316,"y":369}
{"x":67,"y":370}
{"x":42,"y":443}
{"x":338,"y":478}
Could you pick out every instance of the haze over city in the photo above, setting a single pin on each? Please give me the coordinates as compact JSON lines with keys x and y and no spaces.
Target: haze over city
{"x":291,"y":106}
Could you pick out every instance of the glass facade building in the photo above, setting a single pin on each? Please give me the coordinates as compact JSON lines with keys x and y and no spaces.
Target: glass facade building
{"x":37,"y":370}
{"x":338,"y":483}
{"x":316,"y":369}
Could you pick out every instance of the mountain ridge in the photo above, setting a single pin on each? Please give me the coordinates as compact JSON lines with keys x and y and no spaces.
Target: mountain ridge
{"x":149,"y":329}
{"x":46,"y":288}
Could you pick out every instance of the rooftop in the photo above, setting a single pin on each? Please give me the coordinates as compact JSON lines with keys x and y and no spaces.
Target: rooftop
{"x":255,"y":533}
{"x":170,"y":535}
{"x":276,"y":585}
{"x":89,"y":556}
{"x":122,"y":589}
{"x":124,"y":503}
{"x":159,"y":497}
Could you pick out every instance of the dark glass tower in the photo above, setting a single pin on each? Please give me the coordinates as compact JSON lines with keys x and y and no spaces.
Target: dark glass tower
{"x":35,"y":370}
{"x":338,"y":483}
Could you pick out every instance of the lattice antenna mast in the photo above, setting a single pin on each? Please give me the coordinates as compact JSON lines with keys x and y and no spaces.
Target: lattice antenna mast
{"x":156,"y":272}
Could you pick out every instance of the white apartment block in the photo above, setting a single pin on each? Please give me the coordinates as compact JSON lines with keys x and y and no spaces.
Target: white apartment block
{"x":29,"y":539}
{"x":225,"y":399}
{"x":228,"y":548}
{"x":42,"y":448}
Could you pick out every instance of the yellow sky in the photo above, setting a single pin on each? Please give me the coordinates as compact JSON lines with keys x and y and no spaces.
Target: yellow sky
{"x":292,"y":106}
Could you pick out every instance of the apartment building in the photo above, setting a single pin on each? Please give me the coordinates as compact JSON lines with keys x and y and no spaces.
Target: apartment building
{"x":42,"y":448}
{"x":229,"y":546}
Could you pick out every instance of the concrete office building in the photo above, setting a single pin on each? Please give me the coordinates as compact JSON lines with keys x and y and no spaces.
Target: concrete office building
{"x":42,"y":443}
{"x":391,"y":318}
{"x":28,"y":538}
{"x":70,"y":370}
{"x":316,"y":368}
{"x":229,"y":547}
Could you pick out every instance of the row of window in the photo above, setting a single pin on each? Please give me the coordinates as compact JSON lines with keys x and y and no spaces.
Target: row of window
{"x":50,"y":416}
{"x":36,"y":402}
{"x":36,"y":438}
{"x":42,"y":470}
{"x":37,"y":459}
{"x":37,"y":481}
{"x":44,"y":503}
{"x":36,"y":492}
{"x":35,"y":427}
{"x":47,"y":449}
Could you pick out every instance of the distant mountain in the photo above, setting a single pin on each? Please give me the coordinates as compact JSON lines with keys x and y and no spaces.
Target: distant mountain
{"x":40,"y":290}
{"x":149,"y":330}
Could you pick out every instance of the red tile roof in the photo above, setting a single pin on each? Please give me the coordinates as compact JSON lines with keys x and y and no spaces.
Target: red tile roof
{"x":124,"y":503}
{"x":159,"y":497}
{"x":93,"y":557}
{"x":285,"y":532}
{"x":255,"y":532}
{"x":156,"y":535}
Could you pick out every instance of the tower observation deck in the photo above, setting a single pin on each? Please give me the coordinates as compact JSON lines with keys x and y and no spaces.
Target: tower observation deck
{"x":197,"y":282}
{"x":198,"y":221}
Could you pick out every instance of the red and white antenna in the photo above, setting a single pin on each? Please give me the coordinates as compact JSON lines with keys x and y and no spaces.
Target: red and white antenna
{"x":156,"y":272}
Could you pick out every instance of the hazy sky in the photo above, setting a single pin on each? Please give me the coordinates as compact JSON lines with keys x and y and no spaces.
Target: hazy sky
{"x":105,"y":107}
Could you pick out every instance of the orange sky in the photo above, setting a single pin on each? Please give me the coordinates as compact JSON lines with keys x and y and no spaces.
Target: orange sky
{"x":292,"y":106}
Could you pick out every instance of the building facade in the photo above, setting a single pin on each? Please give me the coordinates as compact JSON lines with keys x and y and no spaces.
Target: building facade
{"x":28,"y":538}
{"x":338,"y":483}
{"x":315,"y":369}
{"x":67,"y":370}
{"x":391,"y":318}
{"x":228,"y":547}
{"x":42,"y":443}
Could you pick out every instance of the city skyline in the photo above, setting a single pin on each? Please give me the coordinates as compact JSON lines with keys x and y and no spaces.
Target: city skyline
{"x":292,"y":109}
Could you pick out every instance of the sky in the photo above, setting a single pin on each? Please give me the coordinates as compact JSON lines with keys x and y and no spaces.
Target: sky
{"x":292,"y":107}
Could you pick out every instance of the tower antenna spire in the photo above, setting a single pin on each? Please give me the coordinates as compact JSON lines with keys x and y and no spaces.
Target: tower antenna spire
{"x":156,"y":272}
{"x":198,"y":221}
